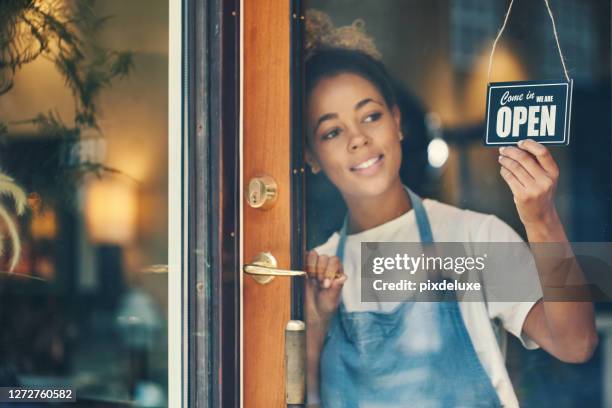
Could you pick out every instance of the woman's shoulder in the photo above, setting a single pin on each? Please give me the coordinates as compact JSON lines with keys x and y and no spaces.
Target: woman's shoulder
{"x":437,"y":208}
{"x":328,"y":247}
{"x":474,"y":225}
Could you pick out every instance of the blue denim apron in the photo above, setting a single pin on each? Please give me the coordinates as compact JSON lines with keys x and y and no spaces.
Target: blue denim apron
{"x":418,"y":355}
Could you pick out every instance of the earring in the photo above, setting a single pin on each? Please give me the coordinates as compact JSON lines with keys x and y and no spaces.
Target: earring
{"x":314,"y":168}
{"x":401,"y":136}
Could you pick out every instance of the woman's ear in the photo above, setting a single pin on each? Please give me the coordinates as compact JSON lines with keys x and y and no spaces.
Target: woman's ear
{"x":312,"y":161}
{"x":397,"y":117}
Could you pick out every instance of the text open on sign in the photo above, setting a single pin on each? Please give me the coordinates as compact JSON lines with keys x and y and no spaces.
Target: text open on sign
{"x":538,"y":110}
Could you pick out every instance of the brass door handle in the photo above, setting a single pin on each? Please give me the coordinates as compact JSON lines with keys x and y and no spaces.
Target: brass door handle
{"x":263,"y":269}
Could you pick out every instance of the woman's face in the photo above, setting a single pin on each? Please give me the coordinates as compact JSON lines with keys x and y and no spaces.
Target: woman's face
{"x":354,"y":135}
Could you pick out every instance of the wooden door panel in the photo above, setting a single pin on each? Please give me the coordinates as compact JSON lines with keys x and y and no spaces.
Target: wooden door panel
{"x":266,"y":150}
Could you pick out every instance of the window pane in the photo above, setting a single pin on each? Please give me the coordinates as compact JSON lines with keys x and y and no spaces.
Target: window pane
{"x":436,"y":54}
{"x":84,"y":207}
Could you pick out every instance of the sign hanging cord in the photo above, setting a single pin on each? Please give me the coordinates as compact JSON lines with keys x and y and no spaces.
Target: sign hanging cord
{"x":503,"y":27}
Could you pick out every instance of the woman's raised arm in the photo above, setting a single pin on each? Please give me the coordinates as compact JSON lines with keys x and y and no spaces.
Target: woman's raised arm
{"x":566,"y":329}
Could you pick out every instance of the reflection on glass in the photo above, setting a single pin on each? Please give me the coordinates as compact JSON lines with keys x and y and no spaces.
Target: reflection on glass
{"x":437,"y":55}
{"x":83,"y":199}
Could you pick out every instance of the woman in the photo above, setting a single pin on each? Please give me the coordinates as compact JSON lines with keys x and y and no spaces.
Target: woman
{"x":413,"y":354}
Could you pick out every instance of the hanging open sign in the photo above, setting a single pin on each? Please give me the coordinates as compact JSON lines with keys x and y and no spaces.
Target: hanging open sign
{"x":538,"y":110}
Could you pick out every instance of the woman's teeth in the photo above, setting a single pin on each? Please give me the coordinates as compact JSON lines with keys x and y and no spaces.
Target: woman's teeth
{"x":367,"y":163}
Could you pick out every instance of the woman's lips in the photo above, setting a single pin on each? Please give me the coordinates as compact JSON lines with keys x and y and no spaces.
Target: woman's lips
{"x":369,"y":166}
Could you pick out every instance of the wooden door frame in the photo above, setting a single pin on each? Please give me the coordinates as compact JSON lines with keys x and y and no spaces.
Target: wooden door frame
{"x":271,"y":54}
{"x":298,"y":177}
{"x":224,"y":232}
{"x":212,"y":80}
{"x":211,"y":112}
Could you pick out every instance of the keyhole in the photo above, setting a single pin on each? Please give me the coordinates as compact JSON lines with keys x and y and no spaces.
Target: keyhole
{"x":261,"y":192}
{"x":255,"y":197}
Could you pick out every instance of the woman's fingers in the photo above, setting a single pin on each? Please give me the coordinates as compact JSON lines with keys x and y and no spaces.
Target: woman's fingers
{"x":515,"y":186}
{"x":532,"y":166}
{"x":532,"y":174}
{"x":315,"y":266}
{"x":311,"y":264}
{"x":322,"y":262}
{"x":338,"y":282}
{"x":527,"y":160}
{"x":542,"y":155}
{"x":333,"y":267}
{"x":517,"y":170}
{"x":323,"y":268}
{"x":333,"y":271}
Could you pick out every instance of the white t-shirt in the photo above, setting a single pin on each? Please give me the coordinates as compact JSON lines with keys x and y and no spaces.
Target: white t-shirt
{"x":451,"y":224}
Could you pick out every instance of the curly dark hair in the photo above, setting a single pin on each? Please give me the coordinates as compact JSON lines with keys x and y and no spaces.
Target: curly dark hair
{"x":329,"y":62}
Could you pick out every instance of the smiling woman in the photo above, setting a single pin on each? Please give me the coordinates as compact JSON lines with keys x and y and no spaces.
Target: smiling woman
{"x":355,"y":133}
{"x":354,"y":136}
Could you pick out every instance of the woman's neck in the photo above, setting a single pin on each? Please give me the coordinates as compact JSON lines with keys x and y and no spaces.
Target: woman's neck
{"x":369,"y":212}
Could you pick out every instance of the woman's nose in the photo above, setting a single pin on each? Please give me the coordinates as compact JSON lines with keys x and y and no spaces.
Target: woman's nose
{"x":357,"y":141}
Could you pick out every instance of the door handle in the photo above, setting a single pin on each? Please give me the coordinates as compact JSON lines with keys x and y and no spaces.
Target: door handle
{"x":264,"y":268}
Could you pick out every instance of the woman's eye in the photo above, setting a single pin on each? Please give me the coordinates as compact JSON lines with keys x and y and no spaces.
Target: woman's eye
{"x":372,"y":117}
{"x":331,"y":134}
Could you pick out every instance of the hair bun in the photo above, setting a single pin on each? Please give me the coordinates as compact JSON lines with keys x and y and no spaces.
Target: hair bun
{"x":321,"y":33}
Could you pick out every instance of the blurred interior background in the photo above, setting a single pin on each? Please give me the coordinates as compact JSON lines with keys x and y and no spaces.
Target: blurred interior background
{"x":438,"y":51}
{"x":84,"y":142}
{"x":84,"y":137}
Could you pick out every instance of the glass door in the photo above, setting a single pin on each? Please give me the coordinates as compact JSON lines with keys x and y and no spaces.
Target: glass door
{"x":436,"y":55}
{"x":91,"y":200}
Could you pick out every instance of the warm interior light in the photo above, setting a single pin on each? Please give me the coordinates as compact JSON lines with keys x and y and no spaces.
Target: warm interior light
{"x":110,"y":211}
{"x":437,"y":152}
{"x":507,"y":66}
{"x":44,"y":224}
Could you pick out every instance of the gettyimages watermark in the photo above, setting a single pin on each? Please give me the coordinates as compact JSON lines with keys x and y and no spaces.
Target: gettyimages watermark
{"x":492,"y":272}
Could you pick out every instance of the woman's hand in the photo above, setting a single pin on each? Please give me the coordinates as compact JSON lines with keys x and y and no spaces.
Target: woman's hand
{"x":323,"y":287}
{"x":564,"y":329}
{"x":532,"y":174}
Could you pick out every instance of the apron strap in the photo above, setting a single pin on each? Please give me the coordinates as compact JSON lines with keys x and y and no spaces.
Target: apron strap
{"x":422,"y":220}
